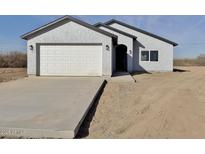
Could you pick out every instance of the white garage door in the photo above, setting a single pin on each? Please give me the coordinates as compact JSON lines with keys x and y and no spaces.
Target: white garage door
{"x":71,"y":60}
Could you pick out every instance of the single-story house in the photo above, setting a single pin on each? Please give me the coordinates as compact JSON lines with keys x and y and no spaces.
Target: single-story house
{"x":71,"y":47}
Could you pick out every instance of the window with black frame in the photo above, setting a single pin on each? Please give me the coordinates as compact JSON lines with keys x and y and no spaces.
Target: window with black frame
{"x":144,"y":55}
{"x":154,"y":55}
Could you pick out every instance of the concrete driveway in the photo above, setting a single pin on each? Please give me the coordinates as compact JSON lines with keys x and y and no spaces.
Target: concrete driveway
{"x":45,"y":107}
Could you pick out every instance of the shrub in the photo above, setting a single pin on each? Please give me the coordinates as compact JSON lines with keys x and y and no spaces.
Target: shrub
{"x":13,"y":60}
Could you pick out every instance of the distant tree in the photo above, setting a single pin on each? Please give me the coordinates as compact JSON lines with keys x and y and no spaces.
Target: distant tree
{"x":201,"y":60}
{"x":201,"y":56}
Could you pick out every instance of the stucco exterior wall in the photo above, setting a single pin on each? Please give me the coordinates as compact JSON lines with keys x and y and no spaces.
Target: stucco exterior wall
{"x":145,"y":42}
{"x":71,"y":32}
{"x":128,"y":41}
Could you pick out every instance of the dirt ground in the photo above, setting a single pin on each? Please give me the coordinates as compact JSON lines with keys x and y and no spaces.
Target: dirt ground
{"x":7,"y":74}
{"x":158,"y":105}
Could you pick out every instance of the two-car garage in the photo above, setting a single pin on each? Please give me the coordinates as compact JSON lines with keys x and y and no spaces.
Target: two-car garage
{"x":70,"y":60}
{"x":69,"y":47}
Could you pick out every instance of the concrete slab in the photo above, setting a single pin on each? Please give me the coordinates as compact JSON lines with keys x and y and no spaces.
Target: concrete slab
{"x":46,"y":107}
{"x":122,"y":77}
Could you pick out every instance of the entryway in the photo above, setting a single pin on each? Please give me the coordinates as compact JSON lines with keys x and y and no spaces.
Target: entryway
{"x":122,"y":77}
{"x":121,"y":58}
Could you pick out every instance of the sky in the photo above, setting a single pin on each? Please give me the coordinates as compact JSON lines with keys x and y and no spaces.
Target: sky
{"x":187,"y":31}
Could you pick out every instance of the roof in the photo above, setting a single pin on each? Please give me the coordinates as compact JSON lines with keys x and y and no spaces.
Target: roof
{"x":62,"y":21}
{"x":99,"y":24}
{"x":140,"y":30}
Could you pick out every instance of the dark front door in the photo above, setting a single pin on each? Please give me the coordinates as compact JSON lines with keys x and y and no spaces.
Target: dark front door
{"x":121,"y":58}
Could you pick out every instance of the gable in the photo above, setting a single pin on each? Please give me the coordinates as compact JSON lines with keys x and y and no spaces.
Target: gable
{"x":59,"y":22}
{"x":121,"y":24}
{"x":70,"y":32}
{"x":146,"y":41}
{"x":113,"y":30}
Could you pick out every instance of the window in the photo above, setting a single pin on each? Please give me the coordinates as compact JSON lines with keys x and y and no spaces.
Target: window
{"x":153,"y":55}
{"x":144,"y":55}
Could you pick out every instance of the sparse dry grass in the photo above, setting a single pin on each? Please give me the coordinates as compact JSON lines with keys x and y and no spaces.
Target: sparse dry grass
{"x":12,"y":66}
{"x":199,"y":61}
{"x":7,"y":74}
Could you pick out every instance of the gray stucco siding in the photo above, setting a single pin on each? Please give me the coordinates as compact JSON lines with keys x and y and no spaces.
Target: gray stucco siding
{"x":146,"y":42}
{"x":72,"y":32}
{"x":125,"y":40}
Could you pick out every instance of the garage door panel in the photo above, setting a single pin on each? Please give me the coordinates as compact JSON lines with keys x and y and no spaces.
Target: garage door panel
{"x":71,"y":60}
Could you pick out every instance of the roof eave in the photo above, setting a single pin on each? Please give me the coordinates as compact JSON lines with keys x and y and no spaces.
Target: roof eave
{"x":26,"y":35}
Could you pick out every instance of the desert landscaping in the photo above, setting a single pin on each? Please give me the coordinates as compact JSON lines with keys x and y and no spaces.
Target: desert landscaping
{"x":7,"y":74}
{"x":12,"y":66}
{"x":158,"y":105}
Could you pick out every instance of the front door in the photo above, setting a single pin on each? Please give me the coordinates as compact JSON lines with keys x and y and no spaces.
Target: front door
{"x":121,"y":58}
